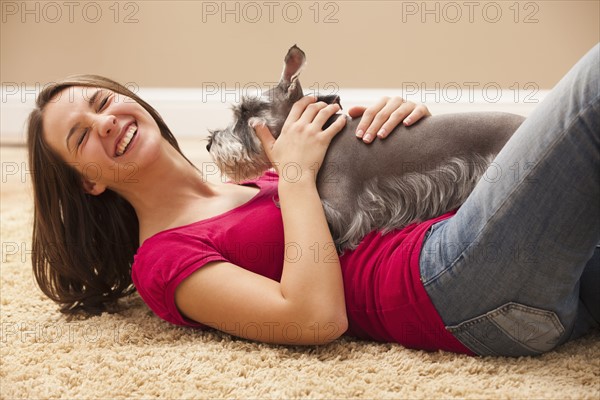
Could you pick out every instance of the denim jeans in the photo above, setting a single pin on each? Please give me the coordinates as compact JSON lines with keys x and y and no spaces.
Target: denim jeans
{"x":517,"y":270}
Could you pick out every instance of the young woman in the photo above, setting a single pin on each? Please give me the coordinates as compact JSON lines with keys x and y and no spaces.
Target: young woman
{"x":502,"y":276}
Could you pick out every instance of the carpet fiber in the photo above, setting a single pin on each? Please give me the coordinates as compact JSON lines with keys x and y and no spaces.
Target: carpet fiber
{"x":135,"y":355}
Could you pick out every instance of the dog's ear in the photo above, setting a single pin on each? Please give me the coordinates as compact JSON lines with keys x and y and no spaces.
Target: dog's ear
{"x":293,"y":63}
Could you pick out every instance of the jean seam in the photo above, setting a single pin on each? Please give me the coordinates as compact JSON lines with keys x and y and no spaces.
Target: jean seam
{"x":479,"y":343}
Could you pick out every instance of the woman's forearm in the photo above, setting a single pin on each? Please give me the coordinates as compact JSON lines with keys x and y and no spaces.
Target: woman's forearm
{"x":311,"y":279}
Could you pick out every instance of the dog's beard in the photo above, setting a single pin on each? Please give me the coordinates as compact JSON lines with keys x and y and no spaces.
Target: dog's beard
{"x":237,"y":151}
{"x":236,"y":161}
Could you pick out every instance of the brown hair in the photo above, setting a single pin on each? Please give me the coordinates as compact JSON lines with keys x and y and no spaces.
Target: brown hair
{"x":83,"y":245}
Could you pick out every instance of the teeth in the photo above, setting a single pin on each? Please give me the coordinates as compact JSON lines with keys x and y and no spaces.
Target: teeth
{"x":126,"y":139}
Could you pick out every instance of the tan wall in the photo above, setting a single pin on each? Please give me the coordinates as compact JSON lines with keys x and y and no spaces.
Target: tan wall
{"x":373,"y":44}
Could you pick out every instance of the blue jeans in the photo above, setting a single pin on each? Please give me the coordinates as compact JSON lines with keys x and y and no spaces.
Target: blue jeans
{"x":517,"y":270}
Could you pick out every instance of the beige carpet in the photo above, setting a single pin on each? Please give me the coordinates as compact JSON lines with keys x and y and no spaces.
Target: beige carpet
{"x":135,"y":355}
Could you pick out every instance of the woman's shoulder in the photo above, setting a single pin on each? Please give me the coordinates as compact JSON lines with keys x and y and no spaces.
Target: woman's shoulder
{"x":168,"y":253}
{"x":179,"y":240}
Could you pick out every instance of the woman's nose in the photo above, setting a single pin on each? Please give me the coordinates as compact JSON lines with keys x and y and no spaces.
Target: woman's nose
{"x":108,"y":125}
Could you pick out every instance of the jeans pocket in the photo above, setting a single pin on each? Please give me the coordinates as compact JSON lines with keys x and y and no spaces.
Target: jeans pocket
{"x":432,"y":228}
{"x":511,"y":330}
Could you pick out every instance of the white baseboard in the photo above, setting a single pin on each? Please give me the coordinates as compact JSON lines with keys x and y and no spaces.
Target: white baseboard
{"x":191,"y":112}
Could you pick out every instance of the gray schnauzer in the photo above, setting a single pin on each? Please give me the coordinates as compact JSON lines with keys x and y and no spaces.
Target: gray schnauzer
{"x":416,"y":173}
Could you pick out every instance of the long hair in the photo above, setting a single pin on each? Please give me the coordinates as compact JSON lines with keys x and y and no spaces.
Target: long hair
{"x":83,"y":245}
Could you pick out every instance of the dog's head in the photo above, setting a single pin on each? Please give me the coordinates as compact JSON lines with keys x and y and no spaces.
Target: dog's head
{"x":236,"y":149}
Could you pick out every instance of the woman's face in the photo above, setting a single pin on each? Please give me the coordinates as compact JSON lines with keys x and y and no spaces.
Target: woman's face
{"x":106,"y":136}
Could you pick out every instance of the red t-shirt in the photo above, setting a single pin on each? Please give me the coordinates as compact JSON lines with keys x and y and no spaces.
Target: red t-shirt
{"x":385,"y":298}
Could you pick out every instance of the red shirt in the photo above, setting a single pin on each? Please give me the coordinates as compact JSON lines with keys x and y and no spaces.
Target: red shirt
{"x":385,"y":298}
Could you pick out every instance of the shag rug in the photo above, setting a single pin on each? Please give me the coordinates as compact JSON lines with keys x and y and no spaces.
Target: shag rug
{"x":135,"y":355}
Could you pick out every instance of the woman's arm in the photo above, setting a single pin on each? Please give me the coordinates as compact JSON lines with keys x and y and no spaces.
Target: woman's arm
{"x":307,"y":306}
{"x":242,"y":303}
{"x":312,"y":277}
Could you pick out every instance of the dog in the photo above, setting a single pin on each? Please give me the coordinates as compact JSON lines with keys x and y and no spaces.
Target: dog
{"x":416,"y":173}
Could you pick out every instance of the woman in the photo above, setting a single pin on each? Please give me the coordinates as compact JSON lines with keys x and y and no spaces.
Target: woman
{"x":227,"y":256}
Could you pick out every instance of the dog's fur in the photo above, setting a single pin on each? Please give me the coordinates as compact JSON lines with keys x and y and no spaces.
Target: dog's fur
{"x":415,"y":174}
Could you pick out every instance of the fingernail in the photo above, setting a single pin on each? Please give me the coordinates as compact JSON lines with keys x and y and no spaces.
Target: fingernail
{"x":381,"y":133}
{"x":359,"y":133}
{"x":407,"y":121}
{"x":367,"y":138}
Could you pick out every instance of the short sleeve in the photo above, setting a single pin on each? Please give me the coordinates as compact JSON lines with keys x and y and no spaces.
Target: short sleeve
{"x":164,"y":261}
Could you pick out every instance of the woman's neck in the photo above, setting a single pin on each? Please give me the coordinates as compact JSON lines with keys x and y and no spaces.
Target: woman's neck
{"x":165,"y":190}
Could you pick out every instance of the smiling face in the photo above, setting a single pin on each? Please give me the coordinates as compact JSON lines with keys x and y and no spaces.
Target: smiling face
{"x":105,"y":135}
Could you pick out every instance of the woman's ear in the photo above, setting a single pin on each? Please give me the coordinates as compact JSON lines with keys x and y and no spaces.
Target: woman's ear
{"x":93,"y":188}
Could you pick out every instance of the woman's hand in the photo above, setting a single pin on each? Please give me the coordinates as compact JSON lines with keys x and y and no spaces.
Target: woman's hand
{"x":381,"y":118}
{"x":299,"y":150}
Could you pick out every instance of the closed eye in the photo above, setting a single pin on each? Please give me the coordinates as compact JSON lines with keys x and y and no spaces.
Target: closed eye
{"x":85,"y":131}
{"x":103,"y":103}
